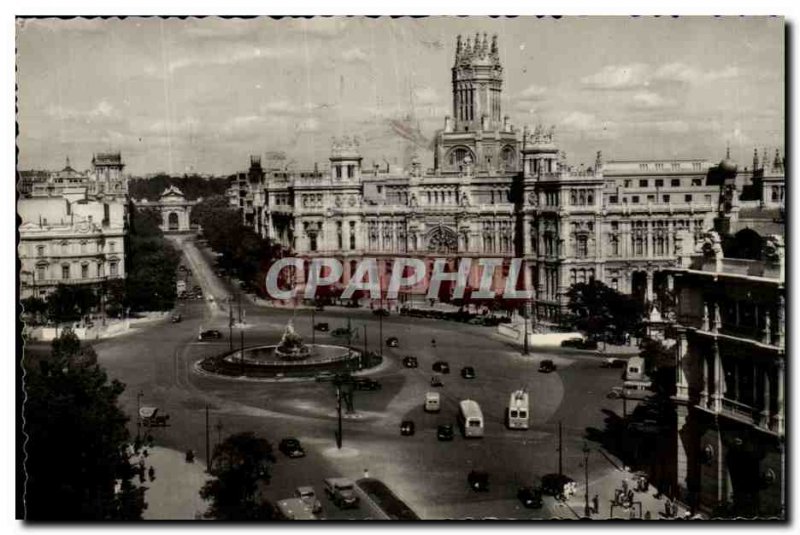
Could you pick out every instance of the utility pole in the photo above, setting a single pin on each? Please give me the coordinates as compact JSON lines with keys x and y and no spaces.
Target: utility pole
{"x":313,"y":329}
{"x":339,"y":414}
{"x":230,"y":324}
{"x":208,"y":441}
{"x":365,"y":339}
{"x":586,"y":511}
{"x":560,"y":457}
{"x":241,"y":349}
{"x":219,"y":432}
{"x":380,"y":332}
{"x":525,"y":332}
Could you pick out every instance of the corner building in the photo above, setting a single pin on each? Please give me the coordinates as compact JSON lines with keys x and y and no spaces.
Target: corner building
{"x":494,"y":191}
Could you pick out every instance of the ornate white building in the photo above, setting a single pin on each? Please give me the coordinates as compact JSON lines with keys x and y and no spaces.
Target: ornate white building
{"x":494,"y":191}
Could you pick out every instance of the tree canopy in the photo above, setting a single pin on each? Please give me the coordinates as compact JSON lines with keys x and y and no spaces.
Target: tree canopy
{"x":601,"y":311}
{"x":240,"y":467}
{"x":192,"y":186}
{"x":78,"y":465}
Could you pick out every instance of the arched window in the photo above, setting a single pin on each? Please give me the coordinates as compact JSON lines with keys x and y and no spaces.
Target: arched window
{"x":509,"y":158}
{"x":458,"y":154}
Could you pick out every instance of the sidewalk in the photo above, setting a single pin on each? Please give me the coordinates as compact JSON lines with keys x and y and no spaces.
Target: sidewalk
{"x":174,"y":494}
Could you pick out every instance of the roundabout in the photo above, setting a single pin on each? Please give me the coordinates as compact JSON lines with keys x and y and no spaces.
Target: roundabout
{"x":290,"y":358}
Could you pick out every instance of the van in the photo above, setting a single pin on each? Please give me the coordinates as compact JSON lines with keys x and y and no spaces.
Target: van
{"x":432,"y":402}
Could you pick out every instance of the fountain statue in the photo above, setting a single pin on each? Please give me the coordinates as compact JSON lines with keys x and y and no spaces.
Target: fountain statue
{"x":291,"y":346}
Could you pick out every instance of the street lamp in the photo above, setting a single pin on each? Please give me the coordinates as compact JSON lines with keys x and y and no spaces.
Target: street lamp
{"x":586,"y":511}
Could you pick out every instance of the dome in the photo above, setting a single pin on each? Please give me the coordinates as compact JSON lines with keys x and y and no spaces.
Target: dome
{"x":728,"y":165}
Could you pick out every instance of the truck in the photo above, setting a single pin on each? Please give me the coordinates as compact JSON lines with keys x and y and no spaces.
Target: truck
{"x":342,"y":492}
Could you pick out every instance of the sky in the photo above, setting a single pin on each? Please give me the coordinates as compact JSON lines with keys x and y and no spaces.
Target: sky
{"x":202,"y":95}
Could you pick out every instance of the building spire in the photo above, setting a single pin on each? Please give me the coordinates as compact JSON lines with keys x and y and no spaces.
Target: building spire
{"x":459,"y":47}
{"x":728,"y":150}
{"x":755,"y":159}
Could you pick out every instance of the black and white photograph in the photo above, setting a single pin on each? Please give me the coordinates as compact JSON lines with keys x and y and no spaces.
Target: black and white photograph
{"x":401,"y":268}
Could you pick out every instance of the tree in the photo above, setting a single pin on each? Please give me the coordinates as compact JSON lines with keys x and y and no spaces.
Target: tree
{"x":152,"y":265}
{"x":240,"y":467}
{"x":68,"y":303}
{"x":601,"y":311}
{"x":34,"y":308}
{"x":78,"y":463}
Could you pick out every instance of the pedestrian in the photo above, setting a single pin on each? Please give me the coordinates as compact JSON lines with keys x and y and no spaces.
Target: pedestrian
{"x":647,"y":515}
{"x":596,"y":504}
{"x":433,"y":342}
{"x":366,"y":473}
{"x":151,"y":473}
{"x":625,"y":486}
{"x":667,"y":509}
{"x":630,"y":496}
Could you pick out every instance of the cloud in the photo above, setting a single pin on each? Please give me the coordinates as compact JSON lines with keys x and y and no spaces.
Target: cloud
{"x":651,"y":100}
{"x":355,"y":55}
{"x":532,"y":93}
{"x":641,"y":75}
{"x":231,"y":55}
{"x":426,"y":95}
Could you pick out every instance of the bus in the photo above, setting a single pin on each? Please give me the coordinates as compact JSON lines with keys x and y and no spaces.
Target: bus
{"x":518,"y":410}
{"x":295,"y":509}
{"x":636,"y":389}
{"x":470,"y":418}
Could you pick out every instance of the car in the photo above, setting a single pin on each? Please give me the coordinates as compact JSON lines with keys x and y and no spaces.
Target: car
{"x":341,"y":332}
{"x":530,"y":497}
{"x":436,"y":381}
{"x":380,"y":312}
{"x":547,"y":366}
{"x":410,"y":362}
{"x":210,"y":334}
{"x":365,"y":383}
{"x":319,"y":307}
{"x":468,"y":372}
{"x":181,"y":268}
{"x":342,"y":492}
{"x":322,"y":327}
{"x":616,"y":392}
{"x":392,"y":341}
{"x":351,"y":304}
{"x":558,"y":484}
{"x":478,"y":480}
{"x":309,"y":497}
{"x":175,"y":318}
{"x":441,"y":366}
{"x":291,"y":448}
{"x":613,"y":363}
{"x":324,"y":376}
{"x":444,"y":432}
{"x":406,"y":428}
{"x":579,"y":343}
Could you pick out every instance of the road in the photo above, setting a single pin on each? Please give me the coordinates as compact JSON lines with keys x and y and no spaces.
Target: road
{"x":429,"y":475}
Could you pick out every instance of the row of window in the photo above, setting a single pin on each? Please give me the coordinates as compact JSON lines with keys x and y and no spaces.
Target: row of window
{"x":66,"y":271}
{"x":650,"y":199}
{"x":674,"y":166}
{"x":660,"y":182}
{"x":65,"y":246}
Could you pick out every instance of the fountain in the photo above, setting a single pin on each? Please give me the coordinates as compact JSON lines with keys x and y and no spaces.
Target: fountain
{"x":291,"y":357}
{"x":291,"y":346}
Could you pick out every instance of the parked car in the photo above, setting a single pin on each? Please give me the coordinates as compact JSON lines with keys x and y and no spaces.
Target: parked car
{"x":547,"y":366}
{"x":556,"y":484}
{"x":291,"y":448}
{"x":613,"y":363}
{"x":324,"y":376}
{"x":436,"y":381}
{"x":210,"y":334}
{"x":406,"y":428}
{"x":468,"y":372}
{"x":410,"y":362}
{"x":322,"y":327}
{"x":441,"y":366}
{"x":616,"y":392}
{"x":309,"y":496}
{"x":341,"y":332}
{"x":151,"y":417}
{"x":392,"y":341}
{"x":341,"y":492}
{"x":175,"y":318}
{"x":380,"y":312}
{"x":444,"y":432}
{"x":365,"y":383}
{"x":580,"y":343}
{"x":478,"y":480}
{"x":530,"y":497}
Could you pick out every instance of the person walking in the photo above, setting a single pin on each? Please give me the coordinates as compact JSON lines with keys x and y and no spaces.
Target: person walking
{"x":596,"y":504}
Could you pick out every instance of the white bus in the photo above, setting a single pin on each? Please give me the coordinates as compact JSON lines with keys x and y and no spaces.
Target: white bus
{"x":518,"y":411}
{"x":470,"y":418}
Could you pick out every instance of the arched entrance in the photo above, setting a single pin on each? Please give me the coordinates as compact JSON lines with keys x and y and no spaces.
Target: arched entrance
{"x":173,"y":222}
{"x":639,"y":285}
{"x":442,"y":240}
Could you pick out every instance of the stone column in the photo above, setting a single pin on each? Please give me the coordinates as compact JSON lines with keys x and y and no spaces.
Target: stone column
{"x":779,"y":417}
{"x":649,"y":241}
{"x":706,"y":313}
{"x":716,"y":398}
{"x":682,"y":383}
{"x":765,"y":398}
{"x":781,"y":331}
{"x":649,"y":287}
{"x":704,"y":381}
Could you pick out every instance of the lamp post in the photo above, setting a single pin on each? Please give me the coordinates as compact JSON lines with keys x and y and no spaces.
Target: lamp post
{"x":139,"y":396}
{"x":586,"y":511}
{"x":525,"y":331}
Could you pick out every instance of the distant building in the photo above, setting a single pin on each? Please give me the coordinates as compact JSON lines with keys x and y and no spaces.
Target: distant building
{"x":493,"y":191}
{"x":173,"y":208}
{"x":73,"y":243}
{"x":105,"y":180}
{"x":731,"y":361}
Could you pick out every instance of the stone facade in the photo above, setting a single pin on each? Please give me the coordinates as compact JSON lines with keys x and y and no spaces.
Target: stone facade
{"x":105,"y":180}
{"x":494,"y":191}
{"x":174,"y":209}
{"x":63,"y":242}
{"x":731,"y":361}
